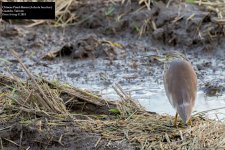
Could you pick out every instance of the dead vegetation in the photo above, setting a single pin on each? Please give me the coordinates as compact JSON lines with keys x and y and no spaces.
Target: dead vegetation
{"x":216,"y":6}
{"x":151,"y":131}
{"x":37,"y":103}
{"x":187,"y":23}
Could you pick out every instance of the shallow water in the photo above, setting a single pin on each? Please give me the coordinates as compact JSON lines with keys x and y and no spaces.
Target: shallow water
{"x":159,"y":103}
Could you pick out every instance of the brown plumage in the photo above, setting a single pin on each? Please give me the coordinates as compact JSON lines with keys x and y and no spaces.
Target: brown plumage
{"x":180,"y":83}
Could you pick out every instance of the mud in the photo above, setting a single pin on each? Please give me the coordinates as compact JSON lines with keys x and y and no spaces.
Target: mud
{"x":87,"y":63}
{"x":54,"y":137}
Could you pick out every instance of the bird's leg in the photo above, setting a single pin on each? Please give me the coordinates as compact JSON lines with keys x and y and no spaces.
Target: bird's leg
{"x":175,"y":120}
{"x":189,"y":122}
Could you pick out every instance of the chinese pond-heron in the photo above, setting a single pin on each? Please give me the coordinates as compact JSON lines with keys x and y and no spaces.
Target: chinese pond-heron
{"x":180,"y":82}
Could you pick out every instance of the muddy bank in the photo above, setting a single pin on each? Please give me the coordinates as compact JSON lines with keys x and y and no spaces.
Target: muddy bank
{"x":55,"y":137}
{"x":177,"y":24}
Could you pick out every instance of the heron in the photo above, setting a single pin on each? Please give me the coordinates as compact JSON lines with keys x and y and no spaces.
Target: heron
{"x":180,"y":83}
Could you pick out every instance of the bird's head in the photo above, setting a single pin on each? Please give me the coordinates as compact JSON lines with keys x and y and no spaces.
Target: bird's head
{"x":173,"y":55}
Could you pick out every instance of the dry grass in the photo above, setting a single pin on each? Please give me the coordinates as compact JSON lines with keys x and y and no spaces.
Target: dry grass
{"x":40,"y":97}
{"x":141,"y":129}
{"x":217,"y":6}
{"x":146,"y":131}
{"x":127,"y":106}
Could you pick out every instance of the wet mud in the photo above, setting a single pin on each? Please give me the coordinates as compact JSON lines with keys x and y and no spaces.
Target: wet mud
{"x":55,"y":137}
{"x":109,"y":45}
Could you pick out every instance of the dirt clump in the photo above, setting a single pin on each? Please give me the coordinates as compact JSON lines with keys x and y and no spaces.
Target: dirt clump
{"x":55,"y":136}
{"x":180,"y":24}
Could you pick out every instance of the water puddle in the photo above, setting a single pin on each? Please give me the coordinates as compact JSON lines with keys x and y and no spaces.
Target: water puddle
{"x":159,"y":103}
